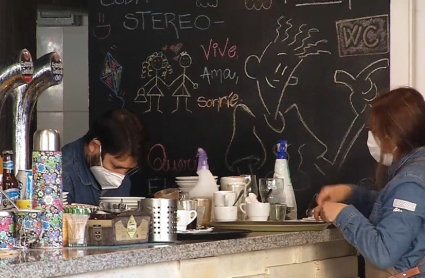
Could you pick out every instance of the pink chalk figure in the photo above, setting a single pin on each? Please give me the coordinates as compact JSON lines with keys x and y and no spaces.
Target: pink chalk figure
{"x":155,"y":67}
{"x":182,"y":92}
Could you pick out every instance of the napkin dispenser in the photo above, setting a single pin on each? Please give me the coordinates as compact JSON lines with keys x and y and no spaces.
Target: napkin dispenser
{"x":129,"y":227}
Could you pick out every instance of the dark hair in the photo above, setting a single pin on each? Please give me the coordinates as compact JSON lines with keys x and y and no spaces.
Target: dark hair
{"x":400,"y":116}
{"x":121,"y":134}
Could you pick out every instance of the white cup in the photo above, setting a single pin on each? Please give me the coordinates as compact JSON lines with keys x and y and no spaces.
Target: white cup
{"x":224,"y":198}
{"x":224,"y":181}
{"x":184,"y":218}
{"x":226,"y":214}
{"x":256,"y":211}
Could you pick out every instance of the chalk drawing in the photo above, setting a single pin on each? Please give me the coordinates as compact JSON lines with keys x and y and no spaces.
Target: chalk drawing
{"x":141,"y":96}
{"x":101,"y":30}
{"x":286,"y":53}
{"x":363,"y":36}
{"x":111,"y":75}
{"x":258,"y":5}
{"x":182,"y":92}
{"x":207,"y":3}
{"x":321,"y":3}
{"x":155,"y":67}
{"x":254,"y":161}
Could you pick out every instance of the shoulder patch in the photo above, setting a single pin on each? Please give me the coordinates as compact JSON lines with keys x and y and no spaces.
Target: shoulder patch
{"x":402,"y":204}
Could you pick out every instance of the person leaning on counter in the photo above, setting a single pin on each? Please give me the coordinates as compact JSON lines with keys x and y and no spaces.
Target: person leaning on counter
{"x":387,"y":226}
{"x":100,"y":163}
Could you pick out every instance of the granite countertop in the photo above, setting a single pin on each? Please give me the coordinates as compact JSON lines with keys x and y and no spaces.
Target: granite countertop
{"x":68,"y":261}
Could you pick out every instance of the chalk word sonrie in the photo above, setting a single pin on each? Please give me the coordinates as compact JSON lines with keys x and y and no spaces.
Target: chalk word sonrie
{"x":228,"y":101}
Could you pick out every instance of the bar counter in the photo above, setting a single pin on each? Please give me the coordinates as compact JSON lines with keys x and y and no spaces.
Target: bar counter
{"x":300,"y":254}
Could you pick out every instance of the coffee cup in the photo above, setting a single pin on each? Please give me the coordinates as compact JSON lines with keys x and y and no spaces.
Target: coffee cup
{"x":184,"y":218}
{"x":256,"y":211}
{"x":224,"y":198}
{"x":226,"y":214}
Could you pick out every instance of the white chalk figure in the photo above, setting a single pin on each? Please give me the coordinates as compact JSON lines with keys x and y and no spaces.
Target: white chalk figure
{"x":157,"y":67}
{"x":182,"y":92}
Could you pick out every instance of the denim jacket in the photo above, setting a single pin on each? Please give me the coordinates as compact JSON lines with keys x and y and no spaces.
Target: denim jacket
{"x":78,"y":180}
{"x":394,"y":234}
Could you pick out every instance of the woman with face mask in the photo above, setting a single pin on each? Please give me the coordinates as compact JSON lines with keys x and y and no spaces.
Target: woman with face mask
{"x":387,"y":226}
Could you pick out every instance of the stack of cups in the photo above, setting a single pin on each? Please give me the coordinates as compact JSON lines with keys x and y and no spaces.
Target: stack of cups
{"x":187,"y":215}
{"x":224,"y":209}
{"x":47,"y":186}
{"x":237,"y":184}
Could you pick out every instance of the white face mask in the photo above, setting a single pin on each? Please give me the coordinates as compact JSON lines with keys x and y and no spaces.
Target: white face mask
{"x":375,"y":150}
{"x":106,"y":178}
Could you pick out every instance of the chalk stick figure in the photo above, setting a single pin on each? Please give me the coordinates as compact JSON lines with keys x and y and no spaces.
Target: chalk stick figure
{"x":182,"y":92}
{"x":157,"y":67}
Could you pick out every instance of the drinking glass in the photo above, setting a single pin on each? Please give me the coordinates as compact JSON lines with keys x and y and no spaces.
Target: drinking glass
{"x":310,"y":209}
{"x":276,"y":188}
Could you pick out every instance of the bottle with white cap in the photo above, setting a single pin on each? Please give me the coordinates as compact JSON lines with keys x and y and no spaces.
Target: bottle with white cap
{"x":281,"y":170}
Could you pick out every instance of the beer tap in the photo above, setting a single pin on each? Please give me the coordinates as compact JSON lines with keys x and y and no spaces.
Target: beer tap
{"x":14,"y":72}
{"x":48,"y":71}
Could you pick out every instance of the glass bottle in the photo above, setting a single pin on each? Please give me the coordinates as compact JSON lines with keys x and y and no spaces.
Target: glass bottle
{"x":9,"y":182}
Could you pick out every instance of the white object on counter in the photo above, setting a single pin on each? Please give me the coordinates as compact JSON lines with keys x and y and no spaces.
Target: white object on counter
{"x":252,"y":198}
{"x":206,"y":185}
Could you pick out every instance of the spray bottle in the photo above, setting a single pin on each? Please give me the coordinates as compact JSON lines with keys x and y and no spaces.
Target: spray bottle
{"x":281,"y":170}
{"x":206,"y":185}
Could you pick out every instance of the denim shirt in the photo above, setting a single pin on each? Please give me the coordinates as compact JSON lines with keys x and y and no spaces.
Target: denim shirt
{"x":78,"y":180}
{"x":394,"y":235}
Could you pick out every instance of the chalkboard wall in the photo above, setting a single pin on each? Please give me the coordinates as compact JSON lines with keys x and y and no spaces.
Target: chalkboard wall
{"x":233,"y":77}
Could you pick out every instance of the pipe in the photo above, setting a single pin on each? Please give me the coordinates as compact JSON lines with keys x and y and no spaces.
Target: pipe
{"x":48,"y":71}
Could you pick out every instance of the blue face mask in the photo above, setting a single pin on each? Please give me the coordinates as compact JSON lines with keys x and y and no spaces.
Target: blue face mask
{"x":106,"y":178}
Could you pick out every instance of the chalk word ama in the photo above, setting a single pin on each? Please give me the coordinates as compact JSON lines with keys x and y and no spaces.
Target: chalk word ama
{"x":228,"y":101}
{"x":162,"y":21}
{"x":220,"y":75}
{"x":363,"y":36}
{"x":214,"y":50}
{"x":159,"y":161}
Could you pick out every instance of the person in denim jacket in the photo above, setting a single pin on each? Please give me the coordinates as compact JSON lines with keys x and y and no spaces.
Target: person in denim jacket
{"x":392,"y":239}
{"x":100,"y":163}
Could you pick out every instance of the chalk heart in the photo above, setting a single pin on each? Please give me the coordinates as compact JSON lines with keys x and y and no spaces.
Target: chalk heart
{"x":176,"y":48}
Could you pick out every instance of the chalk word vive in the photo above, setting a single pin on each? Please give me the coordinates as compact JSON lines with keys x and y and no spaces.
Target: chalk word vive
{"x":217,"y":51}
{"x":162,"y":21}
{"x":228,"y":101}
{"x":363,"y":36}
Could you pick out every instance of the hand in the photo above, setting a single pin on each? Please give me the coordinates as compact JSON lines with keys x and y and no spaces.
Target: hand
{"x":195,"y":86}
{"x":334,"y":193}
{"x":330,"y":211}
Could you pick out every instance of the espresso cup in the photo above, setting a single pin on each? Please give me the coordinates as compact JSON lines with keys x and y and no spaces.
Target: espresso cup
{"x":184,"y":218}
{"x":224,"y":198}
{"x":256,"y":211}
{"x":226,"y":214}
